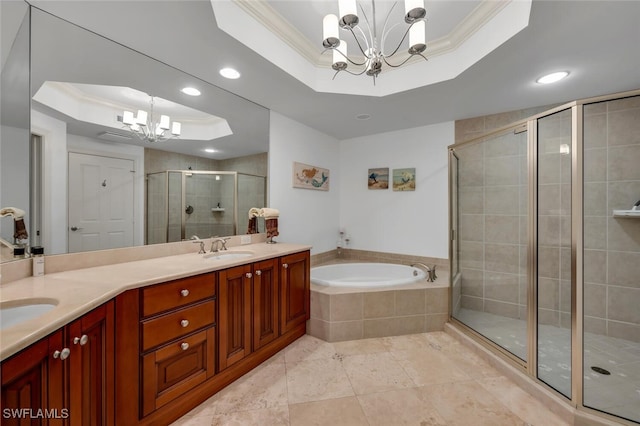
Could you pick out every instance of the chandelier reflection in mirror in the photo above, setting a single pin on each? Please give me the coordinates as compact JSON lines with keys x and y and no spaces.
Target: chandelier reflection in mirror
{"x":147,"y":128}
{"x":372,"y":49}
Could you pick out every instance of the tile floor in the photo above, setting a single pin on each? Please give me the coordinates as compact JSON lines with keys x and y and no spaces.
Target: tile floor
{"x":419,"y":379}
{"x":617,"y":393}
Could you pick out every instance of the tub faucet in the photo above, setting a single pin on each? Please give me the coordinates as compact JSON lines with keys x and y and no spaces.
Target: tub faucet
{"x":215,"y":243}
{"x":431,"y":271}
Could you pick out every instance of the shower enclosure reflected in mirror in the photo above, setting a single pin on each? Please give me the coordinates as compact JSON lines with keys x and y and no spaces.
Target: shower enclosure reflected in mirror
{"x":183,"y":204}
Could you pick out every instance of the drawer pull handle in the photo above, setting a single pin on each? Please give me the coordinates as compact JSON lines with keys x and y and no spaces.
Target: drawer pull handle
{"x":248,"y":275}
{"x":184,"y":346}
{"x":64,"y":354}
{"x":82,"y":340}
{"x":258,"y":272}
{"x":184,"y":293}
{"x":285,"y":265}
{"x":184,"y":323}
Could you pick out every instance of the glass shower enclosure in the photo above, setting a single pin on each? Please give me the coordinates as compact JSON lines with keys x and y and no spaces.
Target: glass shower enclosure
{"x":186,"y":203}
{"x":545,"y":249}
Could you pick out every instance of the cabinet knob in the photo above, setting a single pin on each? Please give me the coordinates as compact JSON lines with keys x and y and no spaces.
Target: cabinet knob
{"x":184,"y":292}
{"x":285,"y":265}
{"x":63,"y":354}
{"x":184,"y":346}
{"x":82,"y":340}
{"x":258,"y":272}
{"x":248,"y":275}
{"x":184,"y":323}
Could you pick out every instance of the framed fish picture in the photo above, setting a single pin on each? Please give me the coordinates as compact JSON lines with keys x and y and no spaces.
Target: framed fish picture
{"x":404,"y":179}
{"x":310,"y":177}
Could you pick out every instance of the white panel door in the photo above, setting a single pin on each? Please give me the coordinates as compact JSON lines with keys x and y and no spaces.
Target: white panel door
{"x":101,"y":200}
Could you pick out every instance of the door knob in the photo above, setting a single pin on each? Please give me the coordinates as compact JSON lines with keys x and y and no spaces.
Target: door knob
{"x":75,"y":228}
{"x":248,"y":275}
{"x":258,"y":272}
{"x":184,"y":323}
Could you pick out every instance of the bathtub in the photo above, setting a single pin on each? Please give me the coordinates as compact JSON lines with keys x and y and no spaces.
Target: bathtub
{"x":365,"y":275}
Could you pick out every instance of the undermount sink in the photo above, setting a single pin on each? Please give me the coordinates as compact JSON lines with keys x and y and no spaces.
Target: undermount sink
{"x":15,"y":312}
{"x":228,"y":255}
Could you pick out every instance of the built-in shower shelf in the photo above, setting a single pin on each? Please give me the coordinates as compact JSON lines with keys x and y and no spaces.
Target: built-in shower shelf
{"x":217,"y":209}
{"x":627,"y":213}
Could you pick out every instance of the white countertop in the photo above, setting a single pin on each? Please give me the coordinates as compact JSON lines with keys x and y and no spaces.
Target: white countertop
{"x":79,"y":291}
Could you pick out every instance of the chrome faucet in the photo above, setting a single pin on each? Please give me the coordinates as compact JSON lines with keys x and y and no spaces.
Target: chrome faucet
{"x":202,"y":250}
{"x":431,"y":271}
{"x":217,"y":242}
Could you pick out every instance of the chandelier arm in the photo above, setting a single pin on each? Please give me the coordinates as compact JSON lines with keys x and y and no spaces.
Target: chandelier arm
{"x":345,"y":56}
{"x":405,"y":61}
{"x":402,"y":41}
{"x":384,"y":38}
{"x":384,"y":27}
{"x":371,"y":34}
{"x":358,"y":41}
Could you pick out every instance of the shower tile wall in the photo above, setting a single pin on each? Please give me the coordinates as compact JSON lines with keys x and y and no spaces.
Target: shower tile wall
{"x":493,"y":225}
{"x":493,"y":216}
{"x":612,"y":245}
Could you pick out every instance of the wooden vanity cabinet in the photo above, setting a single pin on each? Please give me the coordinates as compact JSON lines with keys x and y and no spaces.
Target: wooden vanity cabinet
{"x":236,"y":319}
{"x":296,"y":287}
{"x":69,"y":373}
{"x":234,"y":341}
{"x":177,"y":345}
{"x":34,"y":379}
{"x":266,"y":302}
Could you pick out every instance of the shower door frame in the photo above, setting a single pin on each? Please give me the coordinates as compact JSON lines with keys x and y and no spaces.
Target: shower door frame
{"x":577,"y":246}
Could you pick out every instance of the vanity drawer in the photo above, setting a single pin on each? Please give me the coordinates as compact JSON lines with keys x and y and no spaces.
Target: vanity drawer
{"x":170,"y":326}
{"x":172,"y":370}
{"x":162,"y":297}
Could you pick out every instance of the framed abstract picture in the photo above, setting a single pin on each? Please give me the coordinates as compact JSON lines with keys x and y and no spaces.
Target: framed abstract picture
{"x":310,"y":177}
{"x":378,"y":178}
{"x":404,"y":179}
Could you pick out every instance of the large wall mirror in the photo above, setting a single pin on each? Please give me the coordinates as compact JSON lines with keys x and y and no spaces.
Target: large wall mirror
{"x":96,"y":181}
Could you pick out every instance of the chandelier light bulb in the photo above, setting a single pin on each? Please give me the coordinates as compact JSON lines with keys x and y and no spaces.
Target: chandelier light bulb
{"x":330,"y":31}
{"x":340,"y":56}
{"x":141,"y":118}
{"x":348,"y":13}
{"x":414,"y":9}
{"x":176,"y":128}
{"x":417,"y":38}
{"x":128,"y":118}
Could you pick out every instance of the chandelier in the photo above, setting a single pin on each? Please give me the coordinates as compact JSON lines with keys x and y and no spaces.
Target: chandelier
{"x":372,"y":48}
{"x":147,"y":128}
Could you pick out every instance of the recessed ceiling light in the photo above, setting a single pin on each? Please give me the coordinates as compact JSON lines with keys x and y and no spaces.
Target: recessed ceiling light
{"x":210,"y":150}
{"x":553,"y":77}
{"x":363,"y":116}
{"x":191,"y":91}
{"x":229,"y":73}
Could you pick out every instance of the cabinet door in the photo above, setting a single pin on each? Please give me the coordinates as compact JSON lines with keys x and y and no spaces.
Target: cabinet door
{"x":265,"y":302}
{"x":295,"y":290}
{"x":91,"y":374}
{"x":234,"y":327}
{"x":34,"y":379}
{"x":174,"y":369}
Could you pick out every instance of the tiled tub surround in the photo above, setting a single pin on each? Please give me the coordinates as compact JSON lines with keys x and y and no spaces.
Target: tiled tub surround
{"x":342,"y":313}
